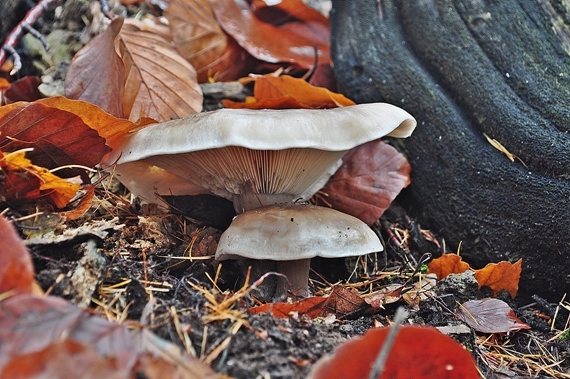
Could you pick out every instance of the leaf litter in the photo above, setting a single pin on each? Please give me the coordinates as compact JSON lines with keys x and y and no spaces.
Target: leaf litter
{"x":158,"y":276}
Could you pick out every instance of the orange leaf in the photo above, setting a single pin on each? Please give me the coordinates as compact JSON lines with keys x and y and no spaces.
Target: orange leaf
{"x":97,"y":72}
{"x":24,"y":181}
{"x":293,"y":37}
{"x":17,"y":269}
{"x":500,"y":276}
{"x":106,"y":125}
{"x":418,"y":352}
{"x":200,"y":40}
{"x":447,"y":264}
{"x":311,"y":307}
{"x":490,"y":316}
{"x":160,"y":84}
{"x":269,"y":88}
{"x":370,"y":178}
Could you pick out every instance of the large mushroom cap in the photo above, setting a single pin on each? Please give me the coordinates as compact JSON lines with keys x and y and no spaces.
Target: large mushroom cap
{"x":232,"y":151}
{"x":294,"y":232}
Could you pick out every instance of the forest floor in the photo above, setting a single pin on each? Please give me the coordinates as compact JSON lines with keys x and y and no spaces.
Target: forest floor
{"x":159,"y":267}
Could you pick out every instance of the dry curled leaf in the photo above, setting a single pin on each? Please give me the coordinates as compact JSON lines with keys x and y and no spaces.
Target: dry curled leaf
{"x":370,"y":177}
{"x":447,"y":264}
{"x":97,"y":72}
{"x":500,"y":276}
{"x":285,"y":92}
{"x":490,"y":316}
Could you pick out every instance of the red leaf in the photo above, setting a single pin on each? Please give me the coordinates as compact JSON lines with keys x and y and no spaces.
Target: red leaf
{"x":17,"y":269}
{"x":311,"y":307}
{"x":97,"y":73}
{"x":490,"y":316}
{"x":418,"y":352}
{"x":302,"y":29}
{"x":371,"y":176}
{"x":25,"y":89}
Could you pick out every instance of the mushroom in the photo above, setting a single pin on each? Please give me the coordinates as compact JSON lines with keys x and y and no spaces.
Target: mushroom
{"x":291,"y":234}
{"x":262,"y":157}
{"x":255,"y":157}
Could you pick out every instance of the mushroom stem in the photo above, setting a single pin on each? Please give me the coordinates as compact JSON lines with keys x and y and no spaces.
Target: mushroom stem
{"x":297,"y":273}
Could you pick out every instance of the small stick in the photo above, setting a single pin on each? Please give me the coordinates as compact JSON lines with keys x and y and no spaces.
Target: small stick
{"x":10,"y":43}
{"x":380,"y":361}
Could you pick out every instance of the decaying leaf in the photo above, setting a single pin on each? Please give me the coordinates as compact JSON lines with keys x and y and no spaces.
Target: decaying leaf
{"x":42,"y":331}
{"x":97,"y":72}
{"x":298,"y":28}
{"x":500,"y":276}
{"x":419,"y":352}
{"x":286,"y":92}
{"x":24,"y":89}
{"x":200,"y":40}
{"x":17,"y":269}
{"x":370,"y":177}
{"x":160,"y":83}
{"x":490,"y":316}
{"x":447,"y":264}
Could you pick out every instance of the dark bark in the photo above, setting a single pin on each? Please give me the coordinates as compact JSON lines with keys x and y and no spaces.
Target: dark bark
{"x":465,"y":68}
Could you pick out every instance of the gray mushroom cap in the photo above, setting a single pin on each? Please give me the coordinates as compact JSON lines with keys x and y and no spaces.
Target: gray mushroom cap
{"x":294,"y":232}
{"x":235,"y":151}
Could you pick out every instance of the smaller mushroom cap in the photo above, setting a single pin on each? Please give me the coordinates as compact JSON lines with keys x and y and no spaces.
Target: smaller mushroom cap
{"x":295,"y":231}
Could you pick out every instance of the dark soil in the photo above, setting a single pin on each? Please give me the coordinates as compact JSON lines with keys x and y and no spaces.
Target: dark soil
{"x":136,"y":261}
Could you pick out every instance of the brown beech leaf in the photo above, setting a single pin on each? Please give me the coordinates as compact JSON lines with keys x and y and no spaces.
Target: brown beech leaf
{"x":17,"y":269}
{"x":490,"y":316}
{"x":200,"y":40}
{"x":58,"y":137}
{"x":447,"y":264}
{"x":97,"y":73}
{"x":370,"y":177}
{"x":311,"y":307}
{"x":500,"y":276}
{"x":298,"y":31}
{"x":284,"y":92}
{"x":418,"y":352}
{"x":160,"y":84}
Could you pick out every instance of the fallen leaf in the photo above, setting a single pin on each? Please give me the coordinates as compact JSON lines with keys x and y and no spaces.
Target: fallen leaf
{"x":489,"y":316}
{"x":42,"y":331}
{"x":17,"y":269}
{"x":421,"y":290}
{"x":500,"y":276}
{"x":59,"y":138}
{"x":22,"y":182}
{"x":160,"y":83}
{"x":370,"y":177}
{"x":24,"y":89}
{"x":418,"y":352}
{"x":387,"y":295}
{"x":200,"y":40}
{"x":106,"y":125}
{"x":284,"y":92}
{"x":97,"y":72}
{"x":447,"y":264}
{"x":297,"y":27}
{"x":342,"y":302}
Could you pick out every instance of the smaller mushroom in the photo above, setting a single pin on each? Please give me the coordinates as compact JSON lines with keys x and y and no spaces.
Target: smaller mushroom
{"x":291,"y":234}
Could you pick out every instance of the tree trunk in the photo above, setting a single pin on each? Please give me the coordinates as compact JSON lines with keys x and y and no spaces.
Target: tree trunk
{"x":464,"y":69}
